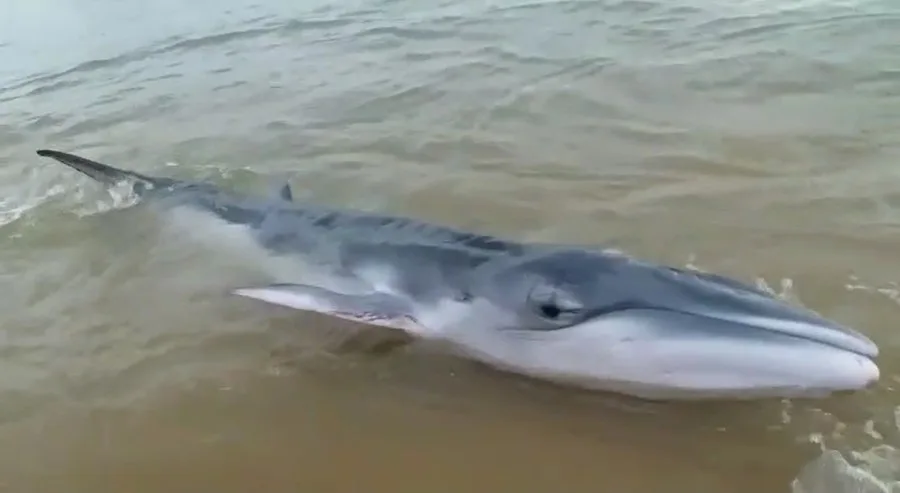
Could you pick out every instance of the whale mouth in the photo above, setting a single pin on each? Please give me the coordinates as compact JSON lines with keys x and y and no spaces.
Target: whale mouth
{"x":660,"y":353}
{"x":787,"y":330}
{"x":817,"y":331}
{"x":706,"y":333}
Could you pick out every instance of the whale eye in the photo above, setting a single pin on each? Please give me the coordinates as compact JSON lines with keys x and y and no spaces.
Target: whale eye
{"x":550,"y":310}
{"x":553,"y":305}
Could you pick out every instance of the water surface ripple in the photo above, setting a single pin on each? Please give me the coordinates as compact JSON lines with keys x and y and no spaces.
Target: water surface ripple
{"x":759,"y":139}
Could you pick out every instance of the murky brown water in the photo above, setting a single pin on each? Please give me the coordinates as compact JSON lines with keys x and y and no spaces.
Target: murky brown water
{"x":757,"y":139}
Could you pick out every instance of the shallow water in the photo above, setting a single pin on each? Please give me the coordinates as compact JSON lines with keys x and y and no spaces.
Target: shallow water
{"x":757,"y":139}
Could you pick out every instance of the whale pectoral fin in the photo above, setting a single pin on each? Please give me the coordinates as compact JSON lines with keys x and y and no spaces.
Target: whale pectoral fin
{"x":380,"y":309}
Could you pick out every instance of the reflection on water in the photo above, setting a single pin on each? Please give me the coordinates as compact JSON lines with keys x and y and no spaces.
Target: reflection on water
{"x":757,"y":139}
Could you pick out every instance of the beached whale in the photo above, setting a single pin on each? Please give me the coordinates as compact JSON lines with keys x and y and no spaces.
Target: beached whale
{"x":588,"y":317}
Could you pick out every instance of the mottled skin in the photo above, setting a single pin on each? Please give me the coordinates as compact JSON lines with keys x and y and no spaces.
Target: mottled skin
{"x":517,"y":287}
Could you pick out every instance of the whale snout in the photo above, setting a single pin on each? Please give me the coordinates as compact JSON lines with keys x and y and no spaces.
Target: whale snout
{"x":661,"y":354}
{"x":768,"y":357}
{"x":697,"y":338}
{"x":709,"y":334}
{"x":796,"y":323}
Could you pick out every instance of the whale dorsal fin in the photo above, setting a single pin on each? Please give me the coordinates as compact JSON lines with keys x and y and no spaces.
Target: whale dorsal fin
{"x":282,"y":190}
{"x":285,"y":192}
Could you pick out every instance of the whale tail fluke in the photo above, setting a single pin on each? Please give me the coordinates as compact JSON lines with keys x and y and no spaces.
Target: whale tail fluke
{"x":104,"y":173}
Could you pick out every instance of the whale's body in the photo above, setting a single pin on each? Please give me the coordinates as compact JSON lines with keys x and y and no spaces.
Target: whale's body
{"x":589,"y":317}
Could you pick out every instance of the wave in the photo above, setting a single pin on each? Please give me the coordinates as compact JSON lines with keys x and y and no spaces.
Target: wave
{"x":49,"y":81}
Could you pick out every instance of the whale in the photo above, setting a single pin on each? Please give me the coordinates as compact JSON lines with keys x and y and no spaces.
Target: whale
{"x":576,"y":315}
